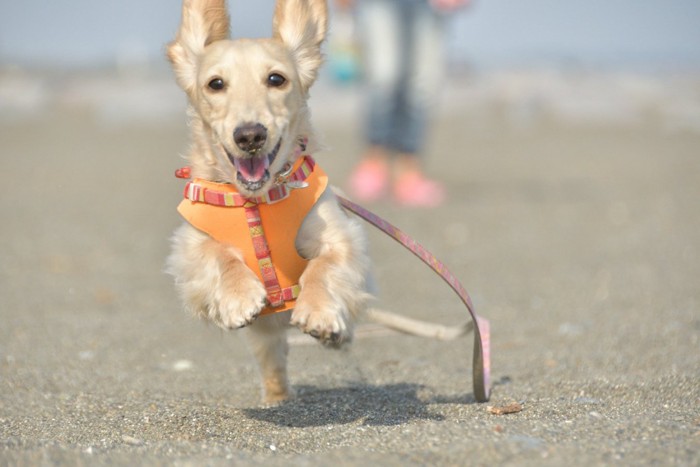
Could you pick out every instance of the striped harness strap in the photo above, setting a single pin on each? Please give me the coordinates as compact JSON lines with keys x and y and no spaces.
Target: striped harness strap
{"x":276,"y":295}
{"x":200,"y":194}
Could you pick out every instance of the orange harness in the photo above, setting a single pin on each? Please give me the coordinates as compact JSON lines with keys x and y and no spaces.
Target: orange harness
{"x":263,"y":229}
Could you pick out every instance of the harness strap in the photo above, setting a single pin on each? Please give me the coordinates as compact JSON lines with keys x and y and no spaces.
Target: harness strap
{"x":300,"y":172}
{"x":262,"y":253}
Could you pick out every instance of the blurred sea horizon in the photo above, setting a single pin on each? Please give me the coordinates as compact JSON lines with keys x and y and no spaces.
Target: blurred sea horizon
{"x":641,"y":35}
{"x":594,"y":62}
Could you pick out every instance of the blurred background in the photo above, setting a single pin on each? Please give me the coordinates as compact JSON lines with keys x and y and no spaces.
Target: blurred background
{"x":525,"y":55}
{"x":647,"y":34}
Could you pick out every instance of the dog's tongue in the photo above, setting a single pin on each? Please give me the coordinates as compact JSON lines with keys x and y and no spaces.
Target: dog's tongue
{"x":252,"y":169}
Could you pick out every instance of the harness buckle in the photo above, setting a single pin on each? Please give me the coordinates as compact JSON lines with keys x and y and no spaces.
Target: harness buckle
{"x":283,"y":175}
{"x":282,"y":178}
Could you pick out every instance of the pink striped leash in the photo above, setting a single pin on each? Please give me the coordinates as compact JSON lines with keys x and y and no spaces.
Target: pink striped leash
{"x":481,"y":366}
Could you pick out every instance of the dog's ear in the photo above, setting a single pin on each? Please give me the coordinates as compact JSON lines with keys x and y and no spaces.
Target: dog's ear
{"x":301,"y":25}
{"x":203,"y":22}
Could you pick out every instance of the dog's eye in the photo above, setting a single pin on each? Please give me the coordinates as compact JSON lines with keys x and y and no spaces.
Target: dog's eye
{"x":275,"y":80}
{"x":217,"y":84}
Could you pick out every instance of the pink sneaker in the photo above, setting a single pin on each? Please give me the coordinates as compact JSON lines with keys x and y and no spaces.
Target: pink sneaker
{"x":369,"y":180}
{"x":414,"y":190}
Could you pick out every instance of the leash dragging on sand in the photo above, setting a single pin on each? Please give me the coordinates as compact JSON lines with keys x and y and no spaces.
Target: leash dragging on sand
{"x":481,"y":361}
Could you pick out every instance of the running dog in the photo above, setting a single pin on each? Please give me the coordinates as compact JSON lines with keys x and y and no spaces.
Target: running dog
{"x":265,"y":243}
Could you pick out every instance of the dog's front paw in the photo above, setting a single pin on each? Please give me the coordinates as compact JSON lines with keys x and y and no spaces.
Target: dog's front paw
{"x":316,"y":313}
{"x":241,"y":304}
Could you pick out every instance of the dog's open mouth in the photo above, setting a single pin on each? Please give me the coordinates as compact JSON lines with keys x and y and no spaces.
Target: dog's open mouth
{"x":253,"y":171}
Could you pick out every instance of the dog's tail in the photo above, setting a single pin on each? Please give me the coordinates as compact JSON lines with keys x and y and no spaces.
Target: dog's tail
{"x":416,"y":327}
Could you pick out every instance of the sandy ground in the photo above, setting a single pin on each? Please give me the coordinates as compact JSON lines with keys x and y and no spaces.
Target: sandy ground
{"x":579,"y":241}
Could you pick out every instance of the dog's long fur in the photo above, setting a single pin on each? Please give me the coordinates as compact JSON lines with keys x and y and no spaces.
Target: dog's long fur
{"x":211,"y":277}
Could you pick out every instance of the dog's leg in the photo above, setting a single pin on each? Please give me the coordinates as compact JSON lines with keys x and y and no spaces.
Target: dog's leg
{"x":213,"y":281}
{"x":268,"y":341}
{"x":333,"y":290}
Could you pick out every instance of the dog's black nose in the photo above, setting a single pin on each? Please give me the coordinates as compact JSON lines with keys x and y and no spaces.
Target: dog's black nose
{"x":250,"y":137}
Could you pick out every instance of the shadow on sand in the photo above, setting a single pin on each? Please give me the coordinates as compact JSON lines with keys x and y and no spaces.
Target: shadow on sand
{"x":386,"y":405}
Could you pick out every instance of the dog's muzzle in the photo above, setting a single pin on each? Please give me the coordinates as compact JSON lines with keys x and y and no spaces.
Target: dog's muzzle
{"x":252,"y":171}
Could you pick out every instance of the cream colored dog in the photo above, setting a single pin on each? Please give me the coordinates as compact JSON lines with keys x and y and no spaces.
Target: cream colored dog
{"x":248,"y":115}
{"x":248,"y":110}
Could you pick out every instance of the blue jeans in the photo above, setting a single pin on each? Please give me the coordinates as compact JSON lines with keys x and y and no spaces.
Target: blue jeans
{"x":404,"y":61}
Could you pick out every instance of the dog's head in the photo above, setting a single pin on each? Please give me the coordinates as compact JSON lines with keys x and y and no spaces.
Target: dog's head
{"x":248,"y":96}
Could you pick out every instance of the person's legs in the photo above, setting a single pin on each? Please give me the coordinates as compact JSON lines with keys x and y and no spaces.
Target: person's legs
{"x":424,"y":73}
{"x":423,"y":62}
{"x":379,"y":26}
